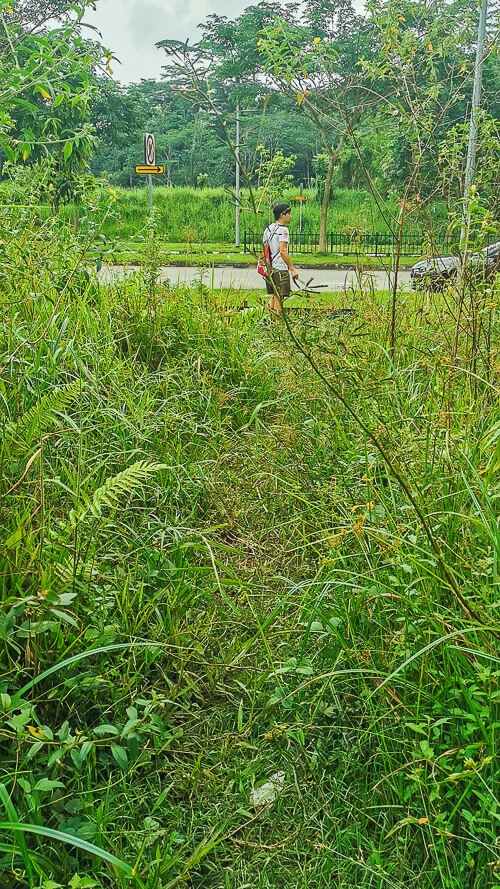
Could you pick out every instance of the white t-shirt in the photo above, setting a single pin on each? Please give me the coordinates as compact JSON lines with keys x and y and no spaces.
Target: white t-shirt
{"x":273,"y":234}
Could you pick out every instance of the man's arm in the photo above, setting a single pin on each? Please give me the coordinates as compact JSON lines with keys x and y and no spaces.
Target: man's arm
{"x":286,"y":259}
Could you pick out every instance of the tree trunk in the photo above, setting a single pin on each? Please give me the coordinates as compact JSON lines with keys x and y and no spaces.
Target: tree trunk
{"x":332,"y":160}
{"x":75,"y":217}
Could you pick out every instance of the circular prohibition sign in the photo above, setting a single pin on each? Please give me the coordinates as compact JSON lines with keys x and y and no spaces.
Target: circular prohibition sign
{"x":149,"y":149}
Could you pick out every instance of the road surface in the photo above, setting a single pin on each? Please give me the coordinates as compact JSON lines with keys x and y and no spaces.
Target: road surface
{"x":248,"y":279}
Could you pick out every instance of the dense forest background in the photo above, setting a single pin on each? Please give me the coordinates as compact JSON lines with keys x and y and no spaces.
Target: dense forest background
{"x":188,"y":139}
{"x":354,"y":84}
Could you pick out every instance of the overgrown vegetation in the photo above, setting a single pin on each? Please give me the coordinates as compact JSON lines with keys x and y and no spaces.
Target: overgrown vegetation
{"x":243,"y":555}
{"x":210,"y":576}
{"x":209,"y":214}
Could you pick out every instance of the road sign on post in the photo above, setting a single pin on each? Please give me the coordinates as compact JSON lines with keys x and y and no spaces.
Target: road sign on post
{"x":148,"y":170}
{"x":149,"y":150}
{"x":149,"y":161}
{"x":300,"y":198}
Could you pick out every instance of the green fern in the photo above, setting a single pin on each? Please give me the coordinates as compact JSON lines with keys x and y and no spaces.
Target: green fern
{"x":40,"y":417}
{"x":114,"y":491}
{"x":66,"y":571}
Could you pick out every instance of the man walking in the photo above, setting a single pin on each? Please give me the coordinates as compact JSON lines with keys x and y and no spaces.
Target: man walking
{"x":277,"y":237}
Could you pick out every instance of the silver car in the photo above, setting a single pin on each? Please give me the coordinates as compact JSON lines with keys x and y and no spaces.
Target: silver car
{"x":438,"y":272}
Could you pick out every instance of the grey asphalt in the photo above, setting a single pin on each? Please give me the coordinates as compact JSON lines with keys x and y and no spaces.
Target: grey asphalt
{"x":249,"y":279}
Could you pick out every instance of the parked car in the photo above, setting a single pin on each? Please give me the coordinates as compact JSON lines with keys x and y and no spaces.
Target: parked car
{"x":439,"y":271}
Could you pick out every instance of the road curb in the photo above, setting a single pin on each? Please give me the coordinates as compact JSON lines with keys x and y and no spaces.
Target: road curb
{"x":323,"y":266}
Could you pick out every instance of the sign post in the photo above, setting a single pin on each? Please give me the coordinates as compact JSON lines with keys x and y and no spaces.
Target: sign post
{"x":147,"y":170}
{"x":301,"y":200}
{"x":149,"y":161}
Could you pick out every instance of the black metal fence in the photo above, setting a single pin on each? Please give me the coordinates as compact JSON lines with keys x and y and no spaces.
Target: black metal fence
{"x":371,"y":243}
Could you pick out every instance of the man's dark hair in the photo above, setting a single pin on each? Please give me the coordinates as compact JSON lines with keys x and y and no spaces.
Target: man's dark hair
{"x":280,"y":209}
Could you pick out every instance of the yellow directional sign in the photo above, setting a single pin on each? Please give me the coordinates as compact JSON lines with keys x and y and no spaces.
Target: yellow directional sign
{"x":304,"y":198}
{"x":145,"y":169}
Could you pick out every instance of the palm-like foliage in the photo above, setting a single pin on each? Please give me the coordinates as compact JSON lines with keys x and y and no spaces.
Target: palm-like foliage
{"x":17,"y":436}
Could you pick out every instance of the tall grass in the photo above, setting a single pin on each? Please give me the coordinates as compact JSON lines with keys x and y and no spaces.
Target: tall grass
{"x":207,"y":215}
{"x":209,"y":576}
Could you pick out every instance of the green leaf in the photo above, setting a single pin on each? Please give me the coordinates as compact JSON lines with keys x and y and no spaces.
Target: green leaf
{"x":68,"y":148}
{"x":426,"y":749}
{"x":34,"y":750}
{"x":133,"y":745}
{"x":131,"y":724}
{"x":12,"y":816}
{"x":77,"y":882}
{"x":76,"y":841}
{"x":79,"y":754}
{"x":115,"y":489}
{"x":47,"y":731}
{"x":19,"y":720}
{"x":45,"y":784}
{"x":106,"y":730}
{"x":66,"y":598}
{"x":120,"y":756}
{"x":65,"y":617}
{"x":42,"y":415}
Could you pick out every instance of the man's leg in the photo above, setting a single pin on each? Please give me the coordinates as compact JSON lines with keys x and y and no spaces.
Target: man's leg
{"x":273,"y":288}
{"x":279,"y":289}
{"x":284,"y":286}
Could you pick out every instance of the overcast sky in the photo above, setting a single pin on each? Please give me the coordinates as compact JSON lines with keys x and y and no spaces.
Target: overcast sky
{"x":130,"y":28}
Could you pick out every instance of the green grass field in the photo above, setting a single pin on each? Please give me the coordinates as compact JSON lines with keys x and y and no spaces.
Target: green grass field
{"x":203,"y":216}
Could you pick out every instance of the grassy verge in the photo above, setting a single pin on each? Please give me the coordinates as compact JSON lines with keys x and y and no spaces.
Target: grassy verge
{"x":209,"y":214}
{"x":130,"y":252}
{"x":212,"y":582}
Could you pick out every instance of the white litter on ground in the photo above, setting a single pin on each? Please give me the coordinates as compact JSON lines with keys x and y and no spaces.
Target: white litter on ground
{"x":267,"y":793}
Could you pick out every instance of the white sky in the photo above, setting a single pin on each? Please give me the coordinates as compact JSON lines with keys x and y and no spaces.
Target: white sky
{"x":130,"y":29}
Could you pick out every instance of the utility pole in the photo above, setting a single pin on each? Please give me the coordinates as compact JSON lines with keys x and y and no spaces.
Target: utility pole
{"x":237,"y":153}
{"x":476,"y":104}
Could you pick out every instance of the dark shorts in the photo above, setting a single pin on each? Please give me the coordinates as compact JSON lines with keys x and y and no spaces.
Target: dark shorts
{"x":281,"y":282}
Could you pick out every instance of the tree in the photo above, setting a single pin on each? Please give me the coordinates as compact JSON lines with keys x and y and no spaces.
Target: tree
{"x":316,"y":63}
{"x":48,"y":79}
{"x":258,"y":56}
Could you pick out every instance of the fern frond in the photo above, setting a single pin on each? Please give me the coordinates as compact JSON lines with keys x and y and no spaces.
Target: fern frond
{"x":66,"y":571}
{"x":39,"y":417}
{"x":115,"y":490}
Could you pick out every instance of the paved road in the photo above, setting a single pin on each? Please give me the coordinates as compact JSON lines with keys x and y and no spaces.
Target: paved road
{"x":248,"y":279}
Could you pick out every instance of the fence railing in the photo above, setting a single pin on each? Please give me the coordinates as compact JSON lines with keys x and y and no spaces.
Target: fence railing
{"x":372,"y":243}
